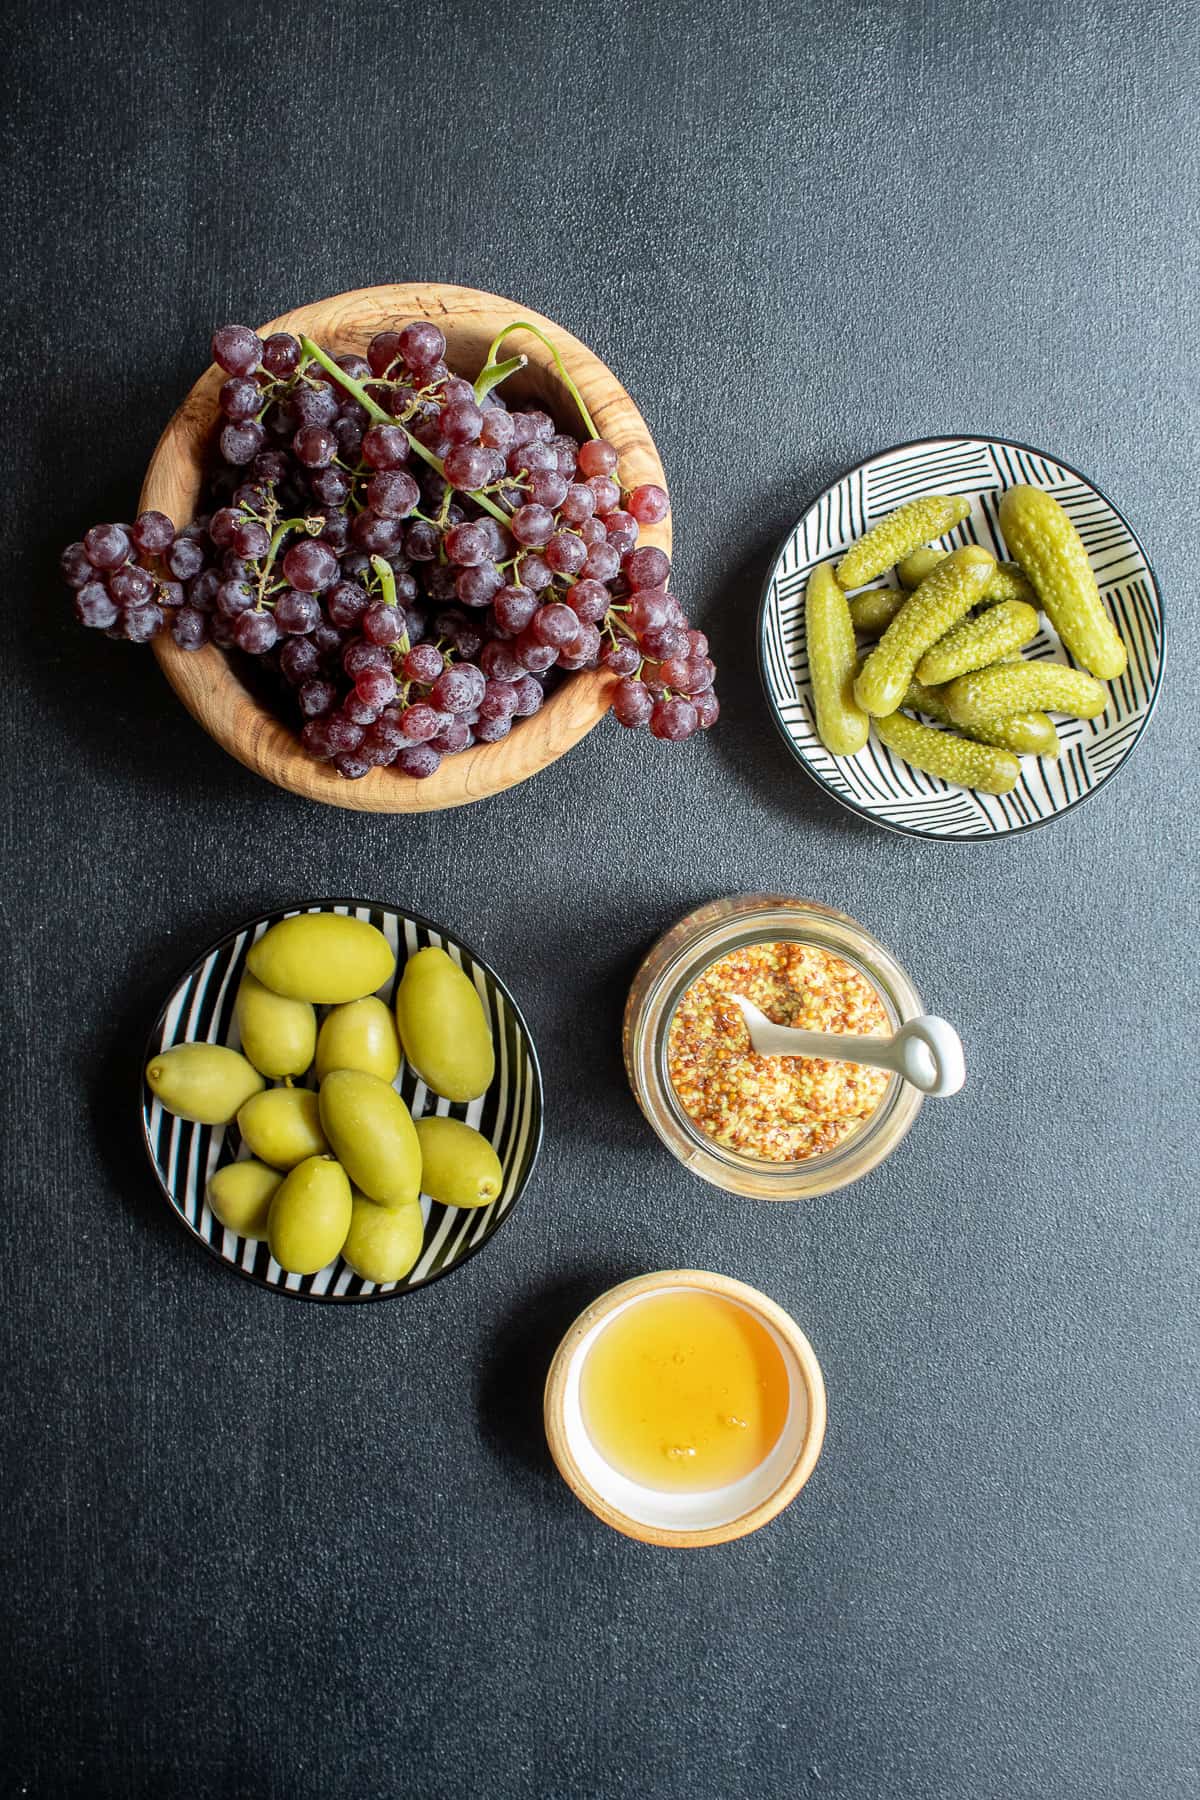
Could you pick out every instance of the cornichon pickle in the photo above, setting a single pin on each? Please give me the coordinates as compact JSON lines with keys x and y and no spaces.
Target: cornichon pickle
{"x":913,"y":569}
{"x":459,"y":1166}
{"x":310,"y":1216}
{"x":1007,"y":583}
{"x":359,"y":1035}
{"x":278,"y":1035}
{"x":323,"y":957}
{"x":873,"y":611}
{"x":912,"y":524}
{"x":842,"y":724}
{"x":1051,"y":552}
{"x":283,"y":1126}
{"x":939,"y":602}
{"x":1029,"y":734}
{"x":976,"y":643}
{"x":240,"y":1196}
{"x":443,"y":1027}
{"x":383,"y":1242}
{"x":942,"y":753}
{"x":371,"y":1133}
{"x":1021,"y":687}
{"x":203,"y":1082}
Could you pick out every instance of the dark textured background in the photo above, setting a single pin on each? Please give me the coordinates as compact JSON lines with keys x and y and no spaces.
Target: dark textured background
{"x":255,"y":1548}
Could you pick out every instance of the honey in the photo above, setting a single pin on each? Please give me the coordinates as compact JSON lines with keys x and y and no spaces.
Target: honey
{"x":684,"y":1392}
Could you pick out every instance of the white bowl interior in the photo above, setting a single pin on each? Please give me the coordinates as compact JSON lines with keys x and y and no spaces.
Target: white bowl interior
{"x":708,"y":1508}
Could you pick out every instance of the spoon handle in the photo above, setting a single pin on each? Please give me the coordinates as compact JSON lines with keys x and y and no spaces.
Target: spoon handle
{"x":927,"y":1051}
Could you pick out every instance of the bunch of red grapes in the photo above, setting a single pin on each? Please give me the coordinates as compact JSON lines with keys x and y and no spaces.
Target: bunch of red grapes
{"x":412,"y":559}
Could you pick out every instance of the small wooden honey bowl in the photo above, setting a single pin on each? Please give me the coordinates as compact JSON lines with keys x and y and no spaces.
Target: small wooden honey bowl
{"x":677,"y":1480}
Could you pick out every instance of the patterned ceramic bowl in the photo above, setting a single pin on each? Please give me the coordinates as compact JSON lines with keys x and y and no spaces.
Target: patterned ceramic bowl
{"x":200,"y":1006}
{"x":877,"y":784}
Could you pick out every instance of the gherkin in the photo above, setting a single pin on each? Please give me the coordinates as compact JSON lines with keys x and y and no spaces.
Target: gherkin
{"x":874,"y":610}
{"x":1007,"y":583}
{"x":911,"y":525}
{"x":842,"y":724}
{"x":1008,"y":688}
{"x":1051,"y":552}
{"x":977,"y":643}
{"x":952,"y":758}
{"x":939,"y":602}
{"x":1029,"y":734}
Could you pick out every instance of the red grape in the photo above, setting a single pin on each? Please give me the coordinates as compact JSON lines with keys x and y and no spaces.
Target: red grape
{"x":632,"y":703}
{"x":648,"y":503}
{"x":589,"y":601}
{"x":533,"y":525}
{"x":237,"y":349}
{"x":393,"y":493}
{"x":240,"y":398}
{"x":255,"y":632}
{"x":280,"y":354}
{"x":648,"y":567}
{"x":107,"y":546}
{"x":673,"y":720}
{"x":152,"y":533}
{"x":376,"y":686}
{"x":566,"y":553}
{"x":421,"y":344}
{"x":422,"y":664}
{"x":95,"y":607}
{"x":597,"y":457}
{"x":530,"y":695}
{"x":310,"y":566}
{"x":385,"y":447}
{"x":419,"y":761}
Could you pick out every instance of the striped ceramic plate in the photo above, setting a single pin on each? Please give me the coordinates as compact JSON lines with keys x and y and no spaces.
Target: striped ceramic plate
{"x":200,"y":1006}
{"x":877,"y":784}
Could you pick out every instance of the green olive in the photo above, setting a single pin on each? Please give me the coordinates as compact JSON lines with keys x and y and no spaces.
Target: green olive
{"x":283,"y":1126}
{"x":203,"y":1082}
{"x":383,"y":1242}
{"x":310,"y":1216}
{"x":359,"y":1035}
{"x":458,"y":1165}
{"x":322,"y":957}
{"x":240,"y":1196}
{"x":278,"y":1035}
{"x":443,"y":1027}
{"x":372,"y":1135}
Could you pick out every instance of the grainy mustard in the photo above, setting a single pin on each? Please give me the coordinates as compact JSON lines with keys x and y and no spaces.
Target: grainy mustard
{"x":778,"y":1108}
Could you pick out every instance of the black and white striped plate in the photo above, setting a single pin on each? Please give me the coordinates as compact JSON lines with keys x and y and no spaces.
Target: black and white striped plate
{"x":200,"y":1007}
{"x":877,"y":784}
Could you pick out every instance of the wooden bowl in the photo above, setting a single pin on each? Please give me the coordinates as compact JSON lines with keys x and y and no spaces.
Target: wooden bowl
{"x":685,"y":1521}
{"x":208,"y":682}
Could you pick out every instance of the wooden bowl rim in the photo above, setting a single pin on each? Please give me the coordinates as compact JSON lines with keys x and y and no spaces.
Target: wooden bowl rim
{"x":207,"y":682}
{"x":705,"y":1281}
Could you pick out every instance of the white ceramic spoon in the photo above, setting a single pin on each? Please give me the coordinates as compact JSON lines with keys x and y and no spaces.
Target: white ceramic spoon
{"x":927,"y":1051}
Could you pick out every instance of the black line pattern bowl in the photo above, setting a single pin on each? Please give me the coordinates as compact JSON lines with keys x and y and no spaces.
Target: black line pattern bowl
{"x":875,"y":783}
{"x":200,"y":1006}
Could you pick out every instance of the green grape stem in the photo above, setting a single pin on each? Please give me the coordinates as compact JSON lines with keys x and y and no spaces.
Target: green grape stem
{"x":376,"y":412}
{"x":494,"y":373}
{"x":568,"y":383}
{"x":387,"y":584}
{"x":313,"y":526}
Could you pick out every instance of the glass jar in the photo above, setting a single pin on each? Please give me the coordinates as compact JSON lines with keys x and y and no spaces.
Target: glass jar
{"x":679,"y":958}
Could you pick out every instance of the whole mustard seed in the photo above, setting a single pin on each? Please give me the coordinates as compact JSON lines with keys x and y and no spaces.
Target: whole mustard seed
{"x":777,"y":1108}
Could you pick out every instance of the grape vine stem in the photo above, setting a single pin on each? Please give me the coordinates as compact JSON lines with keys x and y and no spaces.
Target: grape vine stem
{"x":568,"y":383}
{"x":376,"y":412}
